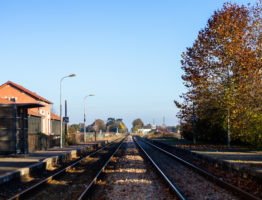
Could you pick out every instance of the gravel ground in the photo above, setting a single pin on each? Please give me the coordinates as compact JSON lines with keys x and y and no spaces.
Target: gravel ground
{"x":191,"y":185}
{"x":129,"y":176}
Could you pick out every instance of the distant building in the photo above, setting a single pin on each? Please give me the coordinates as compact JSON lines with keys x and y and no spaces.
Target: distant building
{"x":18,"y":94}
{"x":144,"y":131}
{"x":153,"y":127}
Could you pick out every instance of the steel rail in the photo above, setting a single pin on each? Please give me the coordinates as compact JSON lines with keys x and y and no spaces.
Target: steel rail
{"x":25,"y":192}
{"x":237,"y":191}
{"x":85,"y":192}
{"x":170,"y":184}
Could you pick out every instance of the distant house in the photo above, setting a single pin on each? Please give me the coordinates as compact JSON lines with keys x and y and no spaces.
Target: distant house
{"x":144,"y":131}
{"x":41,"y":118}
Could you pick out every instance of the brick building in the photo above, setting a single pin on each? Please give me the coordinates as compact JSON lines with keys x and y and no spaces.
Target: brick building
{"x":18,"y":94}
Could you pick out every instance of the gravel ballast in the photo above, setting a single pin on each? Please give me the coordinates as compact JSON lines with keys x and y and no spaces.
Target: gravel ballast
{"x":191,"y":184}
{"x":129,"y":176}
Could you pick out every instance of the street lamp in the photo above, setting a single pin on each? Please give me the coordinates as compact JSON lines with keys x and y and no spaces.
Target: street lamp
{"x":90,"y":95}
{"x":61,"y":122}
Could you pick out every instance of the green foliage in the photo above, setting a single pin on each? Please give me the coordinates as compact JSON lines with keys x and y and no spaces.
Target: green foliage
{"x":110,"y":121}
{"x":99,"y":125}
{"x":112,"y":125}
{"x":71,"y":140}
{"x":74,"y":128}
{"x":137,"y":124}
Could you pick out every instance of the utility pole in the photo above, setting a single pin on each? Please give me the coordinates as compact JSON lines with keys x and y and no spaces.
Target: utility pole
{"x":164,"y":122}
{"x":84,"y":123}
{"x":228,"y":127}
{"x":66,"y":122}
{"x":61,"y":122}
{"x":90,"y":95}
{"x":194,"y":124}
{"x":228,"y":111}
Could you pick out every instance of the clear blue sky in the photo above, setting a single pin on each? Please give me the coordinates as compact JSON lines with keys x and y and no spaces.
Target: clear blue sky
{"x":125,"y":52}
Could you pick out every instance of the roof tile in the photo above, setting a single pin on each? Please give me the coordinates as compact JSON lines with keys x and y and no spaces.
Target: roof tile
{"x":53,"y":116}
{"x":5,"y":101}
{"x":26,"y":91}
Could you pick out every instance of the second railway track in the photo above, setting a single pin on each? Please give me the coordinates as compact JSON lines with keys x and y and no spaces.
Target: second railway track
{"x":193,"y":182}
{"x":126,"y":175}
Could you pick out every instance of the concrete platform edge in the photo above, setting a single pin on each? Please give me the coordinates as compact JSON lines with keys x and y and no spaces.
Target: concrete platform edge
{"x":46,"y":163}
{"x":243,"y":171}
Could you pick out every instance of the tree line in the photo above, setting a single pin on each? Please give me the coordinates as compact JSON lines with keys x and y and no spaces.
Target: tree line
{"x":111,"y":125}
{"x":223,"y":77}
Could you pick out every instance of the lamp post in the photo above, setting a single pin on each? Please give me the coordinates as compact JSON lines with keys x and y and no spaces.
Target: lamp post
{"x":90,"y":95}
{"x":61,"y":122}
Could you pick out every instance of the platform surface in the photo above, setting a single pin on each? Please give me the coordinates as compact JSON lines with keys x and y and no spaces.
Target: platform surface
{"x":241,"y":157}
{"x":12,"y":165}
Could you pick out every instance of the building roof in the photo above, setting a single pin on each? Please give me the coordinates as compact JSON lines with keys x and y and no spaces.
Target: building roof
{"x":5,"y":101}
{"x":53,"y":116}
{"x":31,"y":112}
{"x":33,"y":94}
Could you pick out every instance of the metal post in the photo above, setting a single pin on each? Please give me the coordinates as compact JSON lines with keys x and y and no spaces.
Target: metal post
{"x":61,"y":122}
{"x":228,"y":128}
{"x":228,"y":112}
{"x":61,"y":129}
{"x":90,"y":95}
{"x":193,"y":124}
{"x":66,"y":117}
{"x":84,"y":121}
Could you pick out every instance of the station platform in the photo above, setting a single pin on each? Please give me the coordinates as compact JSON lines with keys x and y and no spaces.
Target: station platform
{"x":18,"y":166}
{"x":247,"y":162}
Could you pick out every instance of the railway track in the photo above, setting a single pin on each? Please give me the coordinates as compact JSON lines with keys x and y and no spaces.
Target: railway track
{"x":187,"y":179}
{"x":72,"y":182}
{"x":130,"y":176}
{"x":132,"y":180}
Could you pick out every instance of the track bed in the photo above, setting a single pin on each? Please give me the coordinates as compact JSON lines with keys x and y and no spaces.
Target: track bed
{"x":130,"y":176}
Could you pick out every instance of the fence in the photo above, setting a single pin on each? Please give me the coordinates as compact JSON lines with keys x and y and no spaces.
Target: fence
{"x":75,"y":138}
{"x":78,"y":138}
{"x":34,"y":124}
{"x":55,"y":126}
{"x":42,"y":142}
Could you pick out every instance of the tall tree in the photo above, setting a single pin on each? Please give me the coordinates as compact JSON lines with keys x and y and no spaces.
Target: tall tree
{"x":99,"y":124}
{"x":137,"y":123}
{"x":222,"y":70}
{"x":110,"y":121}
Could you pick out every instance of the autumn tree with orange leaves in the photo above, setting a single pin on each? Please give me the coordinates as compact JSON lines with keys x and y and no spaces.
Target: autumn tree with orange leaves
{"x":222,"y":71}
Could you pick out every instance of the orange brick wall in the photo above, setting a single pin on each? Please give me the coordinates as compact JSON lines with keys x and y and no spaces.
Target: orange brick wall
{"x":11,"y":92}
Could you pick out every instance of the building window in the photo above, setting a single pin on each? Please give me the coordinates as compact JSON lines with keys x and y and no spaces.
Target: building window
{"x":13,"y":99}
